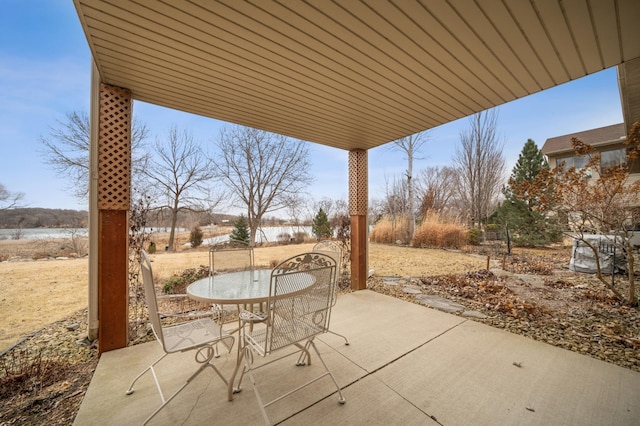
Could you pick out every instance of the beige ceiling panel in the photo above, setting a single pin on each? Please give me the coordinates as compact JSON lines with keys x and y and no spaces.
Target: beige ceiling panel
{"x":483,"y":62}
{"x":630,"y":29}
{"x":555,"y":23}
{"x":353,"y":73}
{"x":578,"y":13}
{"x":458,"y":66}
{"x":198,"y":99}
{"x":396,"y":65}
{"x":391,"y":75}
{"x":520,"y":47}
{"x":188,"y":52}
{"x":529,"y":22}
{"x":606,"y":28}
{"x":315,"y":58}
{"x":358,"y":88}
{"x":494,"y":50}
{"x":398,"y":58}
{"x":421,"y":47}
{"x":200,"y":84}
{"x":226,"y":96}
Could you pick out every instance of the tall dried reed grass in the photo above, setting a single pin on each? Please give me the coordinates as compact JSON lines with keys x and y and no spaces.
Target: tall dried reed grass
{"x":388,"y":230}
{"x":435,"y":231}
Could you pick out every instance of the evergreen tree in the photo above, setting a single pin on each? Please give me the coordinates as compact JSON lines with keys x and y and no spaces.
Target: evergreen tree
{"x":321,"y":227}
{"x":524,"y":210}
{"x":240,"y":230}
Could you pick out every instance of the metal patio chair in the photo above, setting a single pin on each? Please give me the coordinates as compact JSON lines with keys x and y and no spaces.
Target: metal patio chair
{"x":230,"y":256}
{"x":300,"y":300}
{"x":201,"y":334}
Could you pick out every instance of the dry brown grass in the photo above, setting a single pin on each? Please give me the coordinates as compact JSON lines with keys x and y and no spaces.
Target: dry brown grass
{"x":36,"y":293}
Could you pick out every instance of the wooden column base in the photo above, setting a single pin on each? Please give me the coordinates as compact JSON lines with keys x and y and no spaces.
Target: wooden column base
{"x":359,"y":270}
{"x":113,"y":279}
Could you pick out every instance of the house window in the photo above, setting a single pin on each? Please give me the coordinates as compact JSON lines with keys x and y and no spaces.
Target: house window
{"x":612,"y":158}
{"x":577,"y":161}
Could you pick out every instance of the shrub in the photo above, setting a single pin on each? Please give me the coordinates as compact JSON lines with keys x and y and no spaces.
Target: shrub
{"x":283,"y":238}
{"x":195,"y":238}
{"x":299,"y":237}
{"x":25,"y":371}
{"x":178,"y":284}
{"x":473,"y":236}
{"x":152,"y":247}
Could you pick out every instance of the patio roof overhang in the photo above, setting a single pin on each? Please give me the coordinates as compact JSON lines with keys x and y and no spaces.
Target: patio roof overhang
{"x":354,"y":74}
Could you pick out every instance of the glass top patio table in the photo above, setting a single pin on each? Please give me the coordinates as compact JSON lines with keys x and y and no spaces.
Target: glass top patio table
{"x":237,"y":288}
{"x":232,"y":288}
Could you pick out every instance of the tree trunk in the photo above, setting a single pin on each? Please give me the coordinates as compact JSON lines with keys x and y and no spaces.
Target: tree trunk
{"x":633,"y":297}
{"x":172,"y":233}
{"x":412,"y":209}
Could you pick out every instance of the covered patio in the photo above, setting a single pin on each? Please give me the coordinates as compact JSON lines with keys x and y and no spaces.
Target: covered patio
{"x":352,"y":75}
{"x":406,"y":365}
{"x":348,"y":74}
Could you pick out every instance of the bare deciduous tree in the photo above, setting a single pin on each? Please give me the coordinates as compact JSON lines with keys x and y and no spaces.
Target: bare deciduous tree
{"x":436,"y":190}
{"x":395,"y":202}
{"x":8,"y":199}
{"x":480,"y":166}
{"x":411,"y":146}
{"x":180,"y":173}
{"x":294,"y":207}
{"x":395,"y":207}
{"x":261,"y":169}
{"x":66,"y":150}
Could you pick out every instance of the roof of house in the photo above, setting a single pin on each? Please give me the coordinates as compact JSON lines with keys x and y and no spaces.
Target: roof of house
{"x":594,"y":137}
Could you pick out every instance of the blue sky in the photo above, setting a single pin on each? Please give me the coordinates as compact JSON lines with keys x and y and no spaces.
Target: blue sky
{"x":45,"y":74}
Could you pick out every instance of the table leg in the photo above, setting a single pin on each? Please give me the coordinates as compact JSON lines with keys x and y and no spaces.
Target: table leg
{"x":239,"y":358}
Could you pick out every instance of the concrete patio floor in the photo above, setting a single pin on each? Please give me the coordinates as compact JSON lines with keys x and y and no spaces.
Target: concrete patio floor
{"x":406,"y":365}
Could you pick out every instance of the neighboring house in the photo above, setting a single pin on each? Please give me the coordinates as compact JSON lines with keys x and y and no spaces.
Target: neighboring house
{"x":608,"y":141}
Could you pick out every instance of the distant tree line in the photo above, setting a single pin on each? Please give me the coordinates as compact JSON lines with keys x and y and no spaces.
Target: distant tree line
{"x":42,"y":218}
{"x":22,"y":218}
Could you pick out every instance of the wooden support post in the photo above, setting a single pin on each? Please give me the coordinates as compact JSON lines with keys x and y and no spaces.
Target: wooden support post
{"x":113,"y":203}
{"x":358,"y":209}
{"x":113,"y":280}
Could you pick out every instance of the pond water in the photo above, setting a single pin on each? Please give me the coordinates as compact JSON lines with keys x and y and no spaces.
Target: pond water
{"x":266,"y":234}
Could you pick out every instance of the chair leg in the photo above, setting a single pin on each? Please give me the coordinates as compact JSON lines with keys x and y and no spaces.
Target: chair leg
{"x":309,"y":343}
{"x":149,"y":368}
{"x":346,"y":341}
{"x":341,"y":399}
{"x":203,"y":356}
{"x":245,"y":354}
{"x":303,"y":359}
{"x":305,"y":356}
{"x":262,"y":406}
{"x":189,"y":380}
